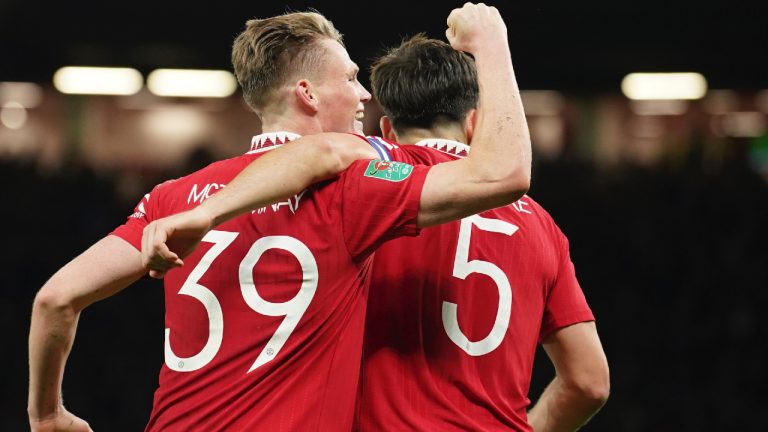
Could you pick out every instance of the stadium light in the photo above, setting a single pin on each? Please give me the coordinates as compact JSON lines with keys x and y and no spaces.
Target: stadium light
{"x":97,"y":80}
{"x":664,"y":86}
{"x":191,"y":83}
{"x":13,"y":115}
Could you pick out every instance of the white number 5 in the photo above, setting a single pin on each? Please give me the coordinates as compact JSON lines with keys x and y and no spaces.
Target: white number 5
{"x":462,"y":268}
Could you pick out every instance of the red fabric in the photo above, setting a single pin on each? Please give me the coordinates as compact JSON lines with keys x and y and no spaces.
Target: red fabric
{"x":311,"y":381}
{"x":414,"y":376}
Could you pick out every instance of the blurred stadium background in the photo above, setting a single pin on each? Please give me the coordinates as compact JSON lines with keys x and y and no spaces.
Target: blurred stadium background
{"x":665,"y":201}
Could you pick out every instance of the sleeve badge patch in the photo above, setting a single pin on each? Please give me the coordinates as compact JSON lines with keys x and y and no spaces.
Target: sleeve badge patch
{"x":390,"y":171}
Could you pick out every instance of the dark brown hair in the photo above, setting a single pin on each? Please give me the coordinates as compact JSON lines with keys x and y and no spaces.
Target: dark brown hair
{"x":424,"y":81}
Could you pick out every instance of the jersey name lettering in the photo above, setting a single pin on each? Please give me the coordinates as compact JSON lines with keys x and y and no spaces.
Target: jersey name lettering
{"x":520,"y":205}
{"x":291,"y":203}
{"x":205,"y":193}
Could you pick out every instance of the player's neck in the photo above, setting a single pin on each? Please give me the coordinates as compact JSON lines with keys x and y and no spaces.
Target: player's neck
{"x":282,"y":121}
{"x":288,"y":126}
{"x":414,"y":135}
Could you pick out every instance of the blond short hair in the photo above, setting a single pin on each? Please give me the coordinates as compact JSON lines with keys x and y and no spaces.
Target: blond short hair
{"x":271,"y":51}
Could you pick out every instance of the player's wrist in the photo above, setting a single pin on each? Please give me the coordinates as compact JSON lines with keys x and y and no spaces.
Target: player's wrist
{"x":41,"y":414}
{"x":208,"y":214}
{"x":492,"y":50}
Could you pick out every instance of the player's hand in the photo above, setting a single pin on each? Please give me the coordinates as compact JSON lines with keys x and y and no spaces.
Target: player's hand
{"x":165,"y":241}
{"x":476,"y":26}
{"x":64,"y":421}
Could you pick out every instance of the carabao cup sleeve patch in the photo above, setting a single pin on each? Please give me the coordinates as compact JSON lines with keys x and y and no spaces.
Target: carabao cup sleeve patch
{"x":390,"y":171}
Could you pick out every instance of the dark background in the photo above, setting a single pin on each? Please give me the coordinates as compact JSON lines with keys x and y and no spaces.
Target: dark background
{"x":672,"y":257}
{"x":584,"y":45}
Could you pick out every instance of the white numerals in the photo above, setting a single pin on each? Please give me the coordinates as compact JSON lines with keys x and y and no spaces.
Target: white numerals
{"x":292,"y":309}
{"x":191,"y":287}
{"x":462,"y":268}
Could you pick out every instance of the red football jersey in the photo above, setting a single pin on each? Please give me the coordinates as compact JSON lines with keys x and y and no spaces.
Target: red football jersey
{"x":455,"y":316}
{"x":264,"y":322}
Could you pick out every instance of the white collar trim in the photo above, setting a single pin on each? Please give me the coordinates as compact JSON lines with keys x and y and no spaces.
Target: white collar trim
{"x":446,"y":146}
{"x":270,"y":140}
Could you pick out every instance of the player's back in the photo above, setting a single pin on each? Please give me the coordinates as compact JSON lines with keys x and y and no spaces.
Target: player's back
{"x":455,"y":315}
{"x":264,"y":321}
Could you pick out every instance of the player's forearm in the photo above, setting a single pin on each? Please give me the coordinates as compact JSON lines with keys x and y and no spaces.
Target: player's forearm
{"x":498,"y":169}
{"x":285,"y":172}
{"x":51,"y":335}
{"x":564,"y":408}
{"x":501,"y":145}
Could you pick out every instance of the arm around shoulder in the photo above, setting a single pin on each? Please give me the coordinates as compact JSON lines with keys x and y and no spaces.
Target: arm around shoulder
{"x":287,"y":171}
{"x":276,"y":175}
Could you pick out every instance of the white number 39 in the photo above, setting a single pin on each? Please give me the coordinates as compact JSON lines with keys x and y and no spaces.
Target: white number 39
{"x":292,"y":309}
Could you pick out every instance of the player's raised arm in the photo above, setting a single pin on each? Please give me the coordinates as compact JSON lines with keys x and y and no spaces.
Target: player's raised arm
{"x":498,"y":169}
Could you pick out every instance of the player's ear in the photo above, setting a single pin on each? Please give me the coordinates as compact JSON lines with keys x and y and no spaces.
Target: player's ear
{"x":305,"y":96}
{"x":385,"y":124}
{"x":469,"y":124}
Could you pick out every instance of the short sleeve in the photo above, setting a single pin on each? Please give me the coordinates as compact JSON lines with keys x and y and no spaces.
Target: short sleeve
{"x":566,"y":304}
{"x":380,"y":201}
{"x":133,"y":228}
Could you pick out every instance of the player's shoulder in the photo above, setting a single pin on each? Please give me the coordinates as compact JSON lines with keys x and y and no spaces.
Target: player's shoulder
{"x":219,"y":170}
{"x":428,"y":155}
{"x":191,"y":189}
{"x":534,"y":220}
{"x":529,"y":212}
{"x":414,"y":153}
{"x":450,"y":148}
{"x":535,"y":206}
{"x":545,"y":219}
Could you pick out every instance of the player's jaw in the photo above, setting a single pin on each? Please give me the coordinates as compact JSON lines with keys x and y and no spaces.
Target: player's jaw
{"x":342,"y":97}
